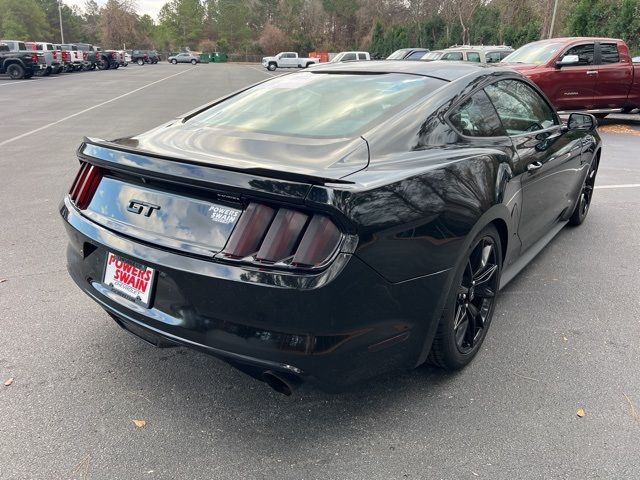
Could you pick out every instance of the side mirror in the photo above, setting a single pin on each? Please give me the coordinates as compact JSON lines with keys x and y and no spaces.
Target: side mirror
{"x":582,"y":121}
{"x":568,"y":60}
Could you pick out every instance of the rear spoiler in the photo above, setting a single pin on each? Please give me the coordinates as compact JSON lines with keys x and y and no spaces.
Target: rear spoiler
{"x":287,"y":186}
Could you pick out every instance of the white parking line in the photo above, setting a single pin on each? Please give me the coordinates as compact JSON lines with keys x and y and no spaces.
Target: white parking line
{"x":626,"y":185}
{"x":44,"y":127}
{"x":12,"y":83}
{"x":265,"y":72}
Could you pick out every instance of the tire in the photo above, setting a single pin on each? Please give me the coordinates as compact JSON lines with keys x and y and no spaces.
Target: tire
{"x":585,"y":196}
{"x":59,"y":70}
{"x":140,"y":61}
{"x":116,"y":66}
{"x":308,"y":65}
{"x":47,"y":72}
{"x":470,"y":303}
{"x":15,"y":71}
{"x":102,"y":65}
{"x":272,"y":66}
{"x":174,"y":61}
{"x":193,"y":62}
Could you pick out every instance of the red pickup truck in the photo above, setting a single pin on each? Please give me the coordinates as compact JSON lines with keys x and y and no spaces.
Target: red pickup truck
{"x":593,"y":74}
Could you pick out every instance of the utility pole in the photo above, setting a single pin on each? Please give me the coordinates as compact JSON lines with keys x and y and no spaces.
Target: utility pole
{"x":60,"y":17}
{"x":553,"y":18}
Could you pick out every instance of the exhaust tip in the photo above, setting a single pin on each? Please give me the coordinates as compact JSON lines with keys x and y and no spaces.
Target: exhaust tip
{"x":280,"y":382}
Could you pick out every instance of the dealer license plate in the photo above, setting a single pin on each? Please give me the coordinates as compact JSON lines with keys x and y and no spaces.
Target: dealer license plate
{"x":131,"y":279}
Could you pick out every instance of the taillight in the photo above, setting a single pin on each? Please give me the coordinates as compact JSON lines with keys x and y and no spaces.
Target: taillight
{"x":55,"y":54}
{"x":34,"y":57}
{"x":285,"y":237}
{"x":85,"y":185}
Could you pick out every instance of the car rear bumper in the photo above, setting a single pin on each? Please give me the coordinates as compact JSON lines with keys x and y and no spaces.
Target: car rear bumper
{"x":332,"y":329}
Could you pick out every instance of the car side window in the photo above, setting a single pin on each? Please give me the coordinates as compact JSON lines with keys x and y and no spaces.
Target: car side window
{"x":473,"y":57}
{"x":362,"y":56}
{"x":349,"y":56}
{"x":452,"y":56}
{"x":415,"y":56}
{"x":520,"y":108}
{"x":476,"y":117}
{"x":584,"y":52}
{"x":609,"y":53}
{"x":492,"y":57}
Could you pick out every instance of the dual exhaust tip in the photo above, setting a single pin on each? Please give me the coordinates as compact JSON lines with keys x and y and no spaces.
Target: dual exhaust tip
{"x":281,"y":382}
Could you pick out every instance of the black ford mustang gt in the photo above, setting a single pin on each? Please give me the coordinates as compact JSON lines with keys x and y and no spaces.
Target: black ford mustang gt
{"x":330,"y":225}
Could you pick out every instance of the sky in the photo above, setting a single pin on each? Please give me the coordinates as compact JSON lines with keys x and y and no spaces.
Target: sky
{"x":151,"y":7}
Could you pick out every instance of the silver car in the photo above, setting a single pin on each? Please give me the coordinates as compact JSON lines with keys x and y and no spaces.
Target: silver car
{"x":184,"y":58}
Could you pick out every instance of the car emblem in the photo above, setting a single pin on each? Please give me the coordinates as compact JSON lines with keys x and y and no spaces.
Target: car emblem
{"x":138,"y":207}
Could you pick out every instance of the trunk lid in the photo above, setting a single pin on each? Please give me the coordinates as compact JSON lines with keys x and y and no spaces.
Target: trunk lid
{"x":272,"y":155}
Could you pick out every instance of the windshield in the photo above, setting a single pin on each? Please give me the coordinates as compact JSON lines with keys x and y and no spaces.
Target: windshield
{"x":397,"y":55}
{"x":536,"y":53}
{"x":318,"y":104}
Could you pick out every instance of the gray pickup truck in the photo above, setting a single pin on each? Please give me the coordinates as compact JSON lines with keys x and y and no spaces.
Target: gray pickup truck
{"x":39,"y":65}
{"x":17,"y":65}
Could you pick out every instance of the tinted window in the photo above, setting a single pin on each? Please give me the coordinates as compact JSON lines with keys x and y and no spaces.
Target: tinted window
{"x":21,"y":46}
{"x":473,"y":57}
{"x":476,"y":117}
{"x":585,"y":53}
{"x":520,"y":107}
{"x":297,"y":104}
{"x":609,"y":53}
{"x":362,"y":56}
{"x":452,"y":56}
{"x":416,"y":56}
{"x":348,"y":56}
{"x":492,"y":57}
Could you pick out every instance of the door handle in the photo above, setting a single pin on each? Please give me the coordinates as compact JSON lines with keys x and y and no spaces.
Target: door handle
{"x":534,"y":166}
{"x":592,"y":72}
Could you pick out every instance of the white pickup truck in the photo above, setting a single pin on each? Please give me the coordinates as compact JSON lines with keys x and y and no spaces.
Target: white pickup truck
{"x":287,"y":60}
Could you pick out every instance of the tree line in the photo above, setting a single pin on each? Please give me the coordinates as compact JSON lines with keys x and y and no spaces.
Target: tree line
{"x":269,"y":26}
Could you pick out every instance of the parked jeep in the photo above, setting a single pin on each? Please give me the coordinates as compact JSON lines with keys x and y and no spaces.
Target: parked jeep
{"x":17,"y":65}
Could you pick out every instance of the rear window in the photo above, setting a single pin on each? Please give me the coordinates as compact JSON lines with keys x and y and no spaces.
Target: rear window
{"x":609,"y":53}
{"x":452,"y":56}
{"x":473,"y":57}
{"x":318,"y":104}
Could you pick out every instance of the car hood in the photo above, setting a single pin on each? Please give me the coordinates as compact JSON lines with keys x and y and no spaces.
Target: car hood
{"x":272,"y":155}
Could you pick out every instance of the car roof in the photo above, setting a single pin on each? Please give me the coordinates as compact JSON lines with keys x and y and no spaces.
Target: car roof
{"x":577,"y":39}
{"x":448,"y":71}
{"x":478,"y":47}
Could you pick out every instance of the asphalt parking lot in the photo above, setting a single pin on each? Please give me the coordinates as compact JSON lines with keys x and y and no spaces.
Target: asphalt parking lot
{"x":565,"y":336}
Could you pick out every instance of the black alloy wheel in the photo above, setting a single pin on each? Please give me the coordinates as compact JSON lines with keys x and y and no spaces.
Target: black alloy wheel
{"x":476,"y":295}
{"x":15,"y":71}
{"x":471,"y":302}
{"x":586,"y":194}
